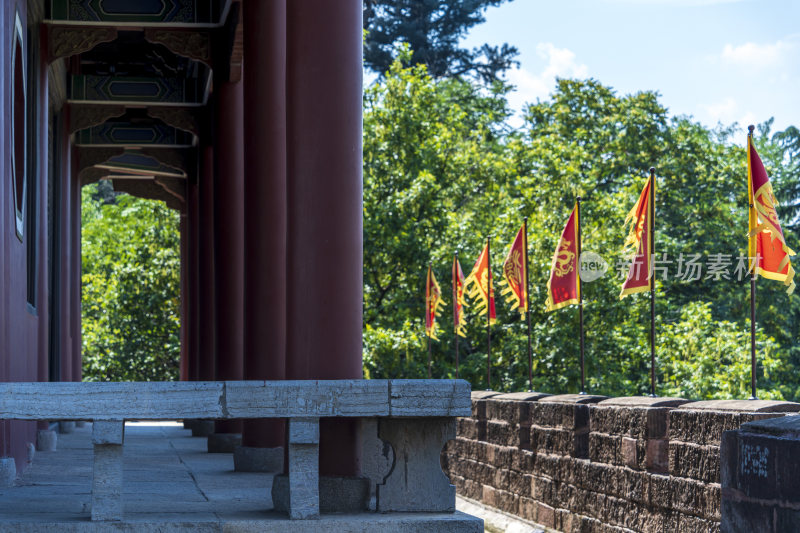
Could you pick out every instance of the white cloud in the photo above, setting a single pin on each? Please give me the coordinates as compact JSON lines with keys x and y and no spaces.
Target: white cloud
{"x":560,"y":63}
{"x":759,"y":55}
{"x":726,"y":111}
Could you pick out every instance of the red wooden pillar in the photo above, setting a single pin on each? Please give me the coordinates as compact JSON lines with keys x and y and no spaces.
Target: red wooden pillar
{"x":192,"y":320}
{"x":205,"y":270}
{"x":42,"y":282}
{"x":184,"y":295}
{"x":65,"y":253}
{"x":324,"y":268}
{"x":264,"y":79}
{"x":229,"y":237}
{"x":75,"y":292}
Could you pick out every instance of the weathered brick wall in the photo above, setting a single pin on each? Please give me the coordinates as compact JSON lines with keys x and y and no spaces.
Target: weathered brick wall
{"x":586,"y":463}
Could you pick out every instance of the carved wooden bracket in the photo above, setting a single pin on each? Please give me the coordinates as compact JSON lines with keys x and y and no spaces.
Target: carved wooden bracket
{"x":175,"y":186}
{"x":87,"y":115}
{"x":68,"y":41}
{"x":148,"y":189}
{"x":193,"y":44}
{"x":92,"y":174}
{"x":178,"y":117}
{"x":89,"y":157}
{"x":172,"y":157}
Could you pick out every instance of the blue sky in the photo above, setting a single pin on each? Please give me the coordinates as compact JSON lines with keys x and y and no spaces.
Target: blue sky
{"x":717,"y":60}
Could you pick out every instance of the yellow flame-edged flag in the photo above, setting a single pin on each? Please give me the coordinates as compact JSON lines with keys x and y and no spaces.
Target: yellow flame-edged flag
{"x":766,"y":240}
{"x":459,"y":319}
{"x":515,"y":273}
{"x":639,"y":242}
{"x":564,"y":287}
{"x":479,"y":285}
{"x":433,"y":302}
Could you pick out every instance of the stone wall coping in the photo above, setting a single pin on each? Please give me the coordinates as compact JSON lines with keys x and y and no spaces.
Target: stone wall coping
{"x":574,"y":398}
{"x":529,"y":396}
{"x":643,"y":401}
{"x":484,"y":394}
{"x":743,"y":406}
{"x":234,"y":399}
{"x":786,"y":426}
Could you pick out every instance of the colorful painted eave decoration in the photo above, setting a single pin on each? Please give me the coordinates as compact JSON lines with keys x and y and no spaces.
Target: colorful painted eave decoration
{"x":138,"y":11}
{"x":132,"y":162}
{"x":87,"y":88}
{"x":123,"y":133}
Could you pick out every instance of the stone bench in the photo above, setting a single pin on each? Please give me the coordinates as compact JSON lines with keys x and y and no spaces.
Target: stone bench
{"x":416,"y":417}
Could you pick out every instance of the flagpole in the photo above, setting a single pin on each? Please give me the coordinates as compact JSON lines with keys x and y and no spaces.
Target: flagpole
{"x":528,"y":305}
{"x":488,"y":316}
{"x":455,"y":304}
{"x":752,"y":282}
{"x":428,"y":304}
{"x":580,"y":294}
{"x":651,"y":216}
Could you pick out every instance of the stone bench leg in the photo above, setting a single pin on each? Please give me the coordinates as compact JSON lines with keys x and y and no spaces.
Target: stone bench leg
{"x":107,"y":438}
{"x":416,"y":482}
{"x":304,"y":468}
{"x":298,"y":493}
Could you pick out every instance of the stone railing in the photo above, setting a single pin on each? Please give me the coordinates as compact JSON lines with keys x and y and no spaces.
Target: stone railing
{"x":588,"y":463}
{"x":416,"y":417}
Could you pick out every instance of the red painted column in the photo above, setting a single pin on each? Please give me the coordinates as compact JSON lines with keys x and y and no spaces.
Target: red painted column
{"x":205,"y":270}
{"x":324,"y":269}
{"x":75,"y":307}
{"x":65,"y":252}
{"x":229,"y":237}
{"x":264,"y":79}
{"x":184,"y":295}
{"x":43,"y":285}
{"x":192,"y":320}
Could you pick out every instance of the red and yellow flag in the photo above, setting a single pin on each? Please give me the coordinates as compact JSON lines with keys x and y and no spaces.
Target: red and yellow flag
{"x":766,"y":240}
{"x":563,"y":287}
{"x":459,"y":320}
{"x":515,"y":273}
{"x":479,"y":285}
{"x":640,"y":241}
{"x":433,"y":300}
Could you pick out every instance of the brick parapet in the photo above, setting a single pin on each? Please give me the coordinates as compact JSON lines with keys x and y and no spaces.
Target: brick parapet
{"x":595,"y":464}
{"x":761,"y":476}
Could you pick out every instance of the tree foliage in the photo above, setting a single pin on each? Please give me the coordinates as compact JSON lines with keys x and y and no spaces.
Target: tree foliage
{"x":432,"y":29}
{"x":443,"y":170}
{"x":130,"y":288}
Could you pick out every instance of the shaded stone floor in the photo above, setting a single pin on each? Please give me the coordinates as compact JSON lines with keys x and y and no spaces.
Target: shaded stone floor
{"x":171,"y":484}
{"x":167,"y":475}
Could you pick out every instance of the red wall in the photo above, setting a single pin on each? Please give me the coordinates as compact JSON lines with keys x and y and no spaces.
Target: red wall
{"x":24,"y":329}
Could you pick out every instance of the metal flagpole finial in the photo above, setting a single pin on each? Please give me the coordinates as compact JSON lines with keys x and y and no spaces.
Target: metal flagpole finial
{"x":750,"y":129}
{"x":652,"y":170}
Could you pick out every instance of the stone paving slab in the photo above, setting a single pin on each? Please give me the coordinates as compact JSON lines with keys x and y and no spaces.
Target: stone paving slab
{"x":364,"y":523}
{"x":171,"y":484}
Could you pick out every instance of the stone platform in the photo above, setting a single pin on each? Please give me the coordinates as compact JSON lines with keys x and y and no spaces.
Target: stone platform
{"x":171,"y":483}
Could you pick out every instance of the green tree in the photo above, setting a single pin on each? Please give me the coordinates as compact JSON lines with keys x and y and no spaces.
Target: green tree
{"x":443,"y":171}
{"x":433,"y":28}
{"x":130,"y":288}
